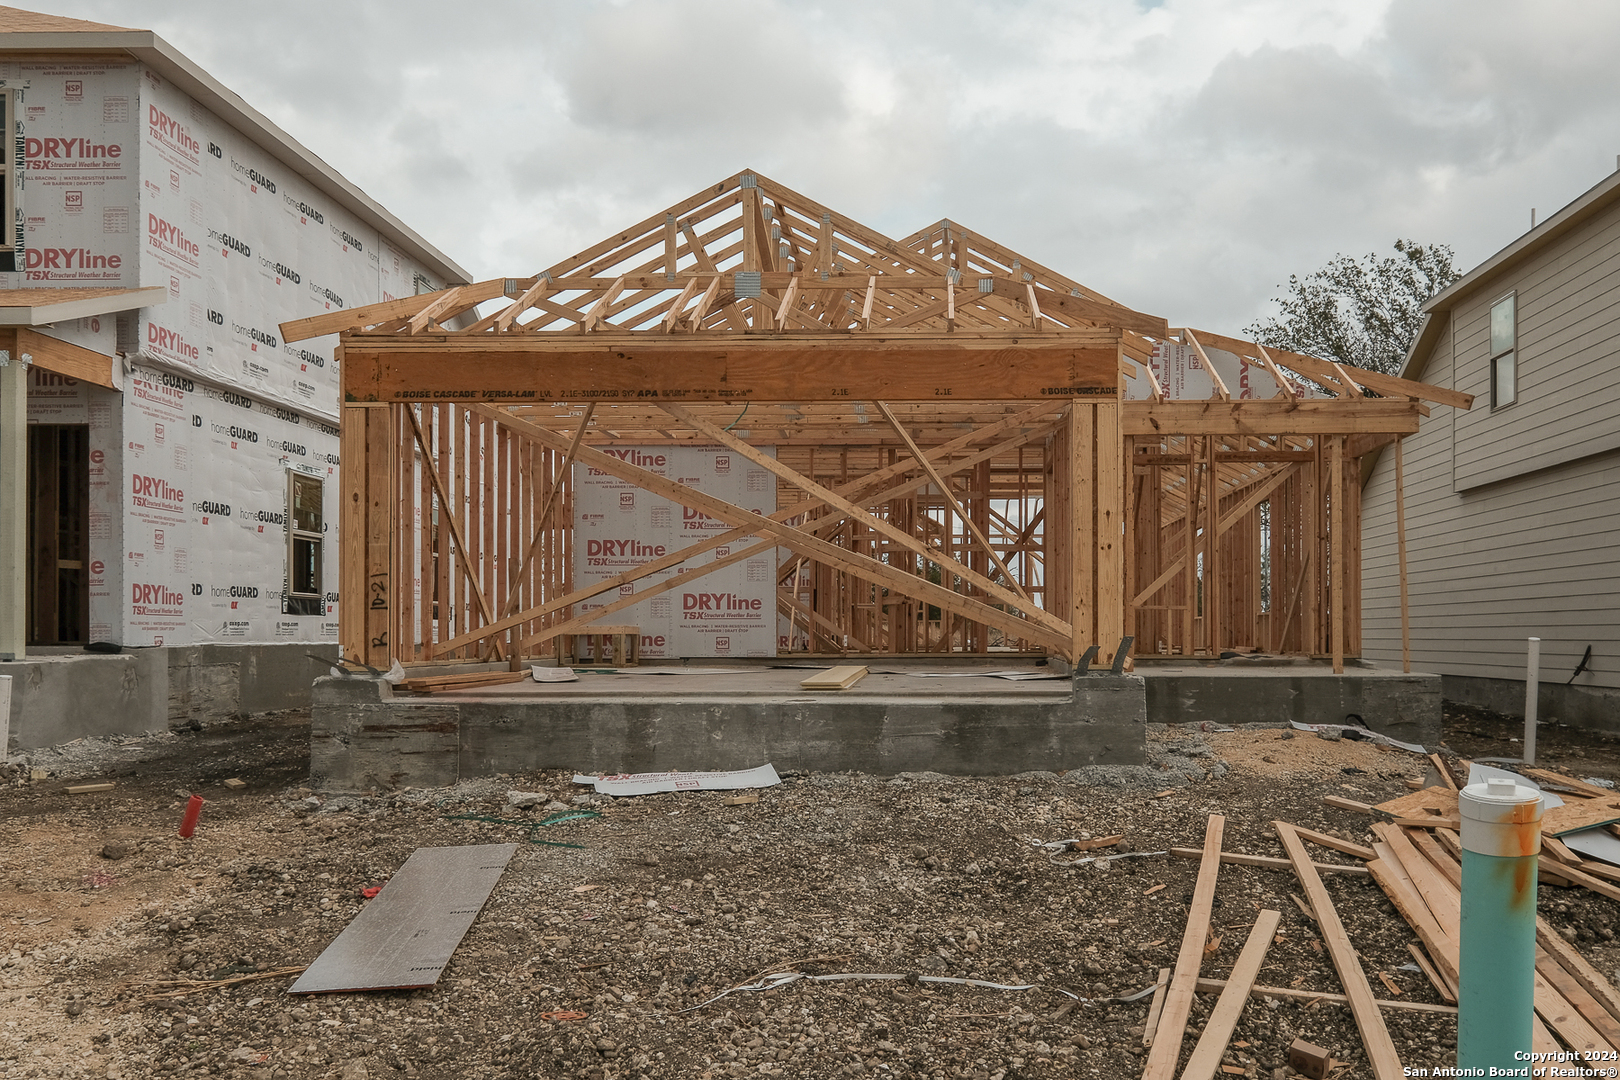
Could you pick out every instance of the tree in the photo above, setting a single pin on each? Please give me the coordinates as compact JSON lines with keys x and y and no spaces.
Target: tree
{"x":1364,"y":312}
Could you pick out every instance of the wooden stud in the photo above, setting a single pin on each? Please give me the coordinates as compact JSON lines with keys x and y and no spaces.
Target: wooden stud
{"x":1223,"y":1018}
{"x":1381,"y":1055}
{"x":1266,"y":861}
{"x":1400,"y":553}
{"x":352,"y":533}
{"x":378,"y":535}
{"x":1214,"y":986}
{"x":544,"y":521}
{"x":1166,"y":1049}
{"x":1337,"y":541}
{"x":1156,"y":1008}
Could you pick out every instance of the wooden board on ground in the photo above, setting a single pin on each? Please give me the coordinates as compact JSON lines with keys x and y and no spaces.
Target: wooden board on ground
{"x":1237,"y":859}
{"x":433,"y":684}
{"x":1215,"y":986}
{"x":402,"y":939}
{"x":1436,"y":802}
{"x":1334,"y":843}
{"x":1575,"y":816}
{"x":839,"y":678}
{"x":1381,"y":1055}
{"x":1156,"y":1007}
{"x":1178,"y":999}
{"x":1223,"y":1018}
{"x":1568,"y":783}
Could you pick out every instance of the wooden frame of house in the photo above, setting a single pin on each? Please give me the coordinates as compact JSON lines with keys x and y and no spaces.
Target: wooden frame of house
{"x":957,"y":468}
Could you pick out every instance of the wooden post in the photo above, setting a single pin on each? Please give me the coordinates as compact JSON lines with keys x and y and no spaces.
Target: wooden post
{"x":1108,"y":451}
{"x":13,"y":503}
{"x":380,"y":506}
{"x":1212,"y":548}
{"x":352,"y":533}
{"x":1311,"y":544}
{"x":1400,"y":555}
{"x":1190,"y":571}
{"x":1082,"y":537}
{"x":1337,"y":545}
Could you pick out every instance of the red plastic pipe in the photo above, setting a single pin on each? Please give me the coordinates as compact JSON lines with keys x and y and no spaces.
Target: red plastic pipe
{"x":188,"y":824}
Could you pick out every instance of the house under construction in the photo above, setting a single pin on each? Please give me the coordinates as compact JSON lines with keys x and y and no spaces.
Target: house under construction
{"x":934,"y":448}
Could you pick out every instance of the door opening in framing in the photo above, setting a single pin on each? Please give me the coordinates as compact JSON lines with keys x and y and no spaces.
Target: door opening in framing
{"x":58,"y":534}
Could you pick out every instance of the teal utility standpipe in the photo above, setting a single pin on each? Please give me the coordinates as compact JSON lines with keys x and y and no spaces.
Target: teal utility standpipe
{"x":1501,"y":840}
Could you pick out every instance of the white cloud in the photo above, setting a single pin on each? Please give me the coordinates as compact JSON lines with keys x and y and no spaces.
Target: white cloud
{"x":1183,"y":156}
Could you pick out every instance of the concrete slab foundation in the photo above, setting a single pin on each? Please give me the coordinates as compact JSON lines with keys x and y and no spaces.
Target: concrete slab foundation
{"x":1592,"y":708}
{"x":366,"y":737}
{"x":61,"y":695}
{"x":1402,"y":706}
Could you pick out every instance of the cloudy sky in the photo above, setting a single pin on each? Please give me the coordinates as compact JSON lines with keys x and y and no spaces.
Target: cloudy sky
{"x":1182,"y":156}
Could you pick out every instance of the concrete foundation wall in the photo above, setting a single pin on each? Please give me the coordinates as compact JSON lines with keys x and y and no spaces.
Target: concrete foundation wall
{"x":1595,"y":708}
{"x":72,"y":695}
{"x":1405,"y":707}
{"x":364,"y":738}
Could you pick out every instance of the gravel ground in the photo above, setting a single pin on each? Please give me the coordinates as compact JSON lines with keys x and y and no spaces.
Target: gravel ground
{"x":671,"y":900}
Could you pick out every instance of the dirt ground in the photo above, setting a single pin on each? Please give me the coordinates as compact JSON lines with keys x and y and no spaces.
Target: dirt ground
{"x":670,"y":900}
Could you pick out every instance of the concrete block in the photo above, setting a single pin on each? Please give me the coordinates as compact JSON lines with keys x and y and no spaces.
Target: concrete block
{"x":59,"y":698}
{"x":357,"y":747}
{"x":333,"y":690}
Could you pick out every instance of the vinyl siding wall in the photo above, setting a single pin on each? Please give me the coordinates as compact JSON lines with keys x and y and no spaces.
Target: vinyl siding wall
{"x":1513,"y":516}
{"x":1568,"y":405}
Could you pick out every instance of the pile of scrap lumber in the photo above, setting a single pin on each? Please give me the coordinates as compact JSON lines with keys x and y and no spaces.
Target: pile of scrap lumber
{"x":1415,"y":859}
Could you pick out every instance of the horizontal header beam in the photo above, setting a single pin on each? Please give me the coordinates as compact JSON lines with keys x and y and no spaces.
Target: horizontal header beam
{"x":780,"y":368}
{"x":1337,"y":416}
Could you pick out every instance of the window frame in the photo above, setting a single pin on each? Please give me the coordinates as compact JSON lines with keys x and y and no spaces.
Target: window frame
{"x":1510,"y":354}
{"x":297,"y":601}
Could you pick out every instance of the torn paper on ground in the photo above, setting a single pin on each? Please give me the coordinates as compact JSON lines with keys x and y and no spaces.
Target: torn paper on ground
{"x":554,"y":674}
{"x":648,"y":783}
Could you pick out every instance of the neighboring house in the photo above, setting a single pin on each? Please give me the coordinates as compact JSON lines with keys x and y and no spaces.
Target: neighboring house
{"x":1513,"y":507}
{"x":167,"y":463}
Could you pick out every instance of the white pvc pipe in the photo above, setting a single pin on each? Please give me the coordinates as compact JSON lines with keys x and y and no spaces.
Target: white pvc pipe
{"x":1532,"y":687}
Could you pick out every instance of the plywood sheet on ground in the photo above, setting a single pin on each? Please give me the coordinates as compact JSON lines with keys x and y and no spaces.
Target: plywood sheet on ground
{"x":404,"y":937}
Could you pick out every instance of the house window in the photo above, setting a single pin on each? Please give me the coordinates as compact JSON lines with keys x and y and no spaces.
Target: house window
{"x":1504,"y":352}
{"x":306,"y":531}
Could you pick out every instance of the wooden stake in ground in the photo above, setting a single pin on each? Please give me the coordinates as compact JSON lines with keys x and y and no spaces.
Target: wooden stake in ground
{"x":1178,"y":999}
{"x":1386,"y":1063}
{"x":1206,"y":1056}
